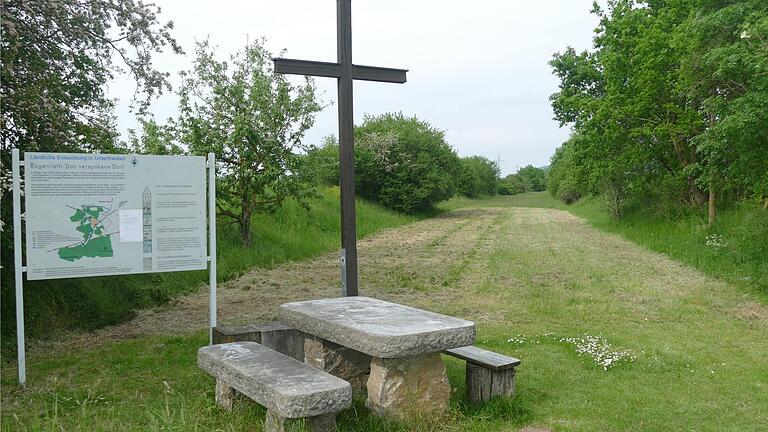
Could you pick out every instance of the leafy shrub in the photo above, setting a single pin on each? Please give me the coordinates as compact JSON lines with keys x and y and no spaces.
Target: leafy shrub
{"x":403,"y":163}
{"x":478,"y":175}
{"x":322,"y":163}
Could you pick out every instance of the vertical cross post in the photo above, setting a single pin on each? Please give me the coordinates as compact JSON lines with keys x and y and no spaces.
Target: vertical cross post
{"x":346,"y":148}
{"x":345,"y":72}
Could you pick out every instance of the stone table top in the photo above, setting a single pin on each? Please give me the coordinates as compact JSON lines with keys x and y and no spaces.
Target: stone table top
{"x":378,"y":328}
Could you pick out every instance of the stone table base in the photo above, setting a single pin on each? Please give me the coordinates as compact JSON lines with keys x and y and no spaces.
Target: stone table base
{"x":345,"y":363}
{"x":408,"y":386}
{"x":321,"y":423}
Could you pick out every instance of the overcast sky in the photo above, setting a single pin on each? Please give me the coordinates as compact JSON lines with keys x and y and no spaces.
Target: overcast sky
{"x":477,"y":69}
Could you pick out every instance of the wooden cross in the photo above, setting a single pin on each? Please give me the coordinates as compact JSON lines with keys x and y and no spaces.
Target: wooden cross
{"x":345,"y":72}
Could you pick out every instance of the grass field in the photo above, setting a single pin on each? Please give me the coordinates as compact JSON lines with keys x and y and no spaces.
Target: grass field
{"x":735,"y":249}
{"x":612,"y":335}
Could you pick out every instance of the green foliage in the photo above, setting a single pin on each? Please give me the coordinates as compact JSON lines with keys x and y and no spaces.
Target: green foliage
{"x":155,"y":139}
{"x":254,"y":120}
{"x":57,"y":57}
{"x":533,"y":179}
{"x":511,"y":185}
{"x":674,"y":94}
{"x":562,"y":180}
{"x":322,"y":162}
{"x":478,"y":175}
{"x":403,"y":163}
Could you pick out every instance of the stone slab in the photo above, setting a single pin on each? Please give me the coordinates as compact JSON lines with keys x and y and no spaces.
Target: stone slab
{"x":485,"y":358}
{"x":378,"y":328}
{"x":282,"y":384}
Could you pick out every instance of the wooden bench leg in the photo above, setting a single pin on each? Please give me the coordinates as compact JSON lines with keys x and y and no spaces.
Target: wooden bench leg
{"x":484,"y":383}
{"x":225,"y":395}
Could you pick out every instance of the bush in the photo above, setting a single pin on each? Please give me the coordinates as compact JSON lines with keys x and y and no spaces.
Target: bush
{"x":322,"y":163}
{"x":533,"y":179}
{"x":511,"y":185}
{"x":478,"y":176}
{"x":403,"y":163}
{"x":562,"y":181}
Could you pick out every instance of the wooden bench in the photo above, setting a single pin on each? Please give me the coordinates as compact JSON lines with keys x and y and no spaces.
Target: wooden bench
{"x":489,"y":374}
{"x":289,"y":389}
{"x":275,"y":335}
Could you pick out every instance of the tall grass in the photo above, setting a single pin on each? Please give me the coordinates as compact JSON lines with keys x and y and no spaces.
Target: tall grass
{"x":291,"y":233}
{"x":735,"y":248}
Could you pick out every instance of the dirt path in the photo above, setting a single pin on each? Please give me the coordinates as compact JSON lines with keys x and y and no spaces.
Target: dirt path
{"x":405,"y":265}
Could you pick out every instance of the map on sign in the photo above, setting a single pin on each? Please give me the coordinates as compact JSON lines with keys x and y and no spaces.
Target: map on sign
{"x":93,"y":222}
{"x":90,"y":215}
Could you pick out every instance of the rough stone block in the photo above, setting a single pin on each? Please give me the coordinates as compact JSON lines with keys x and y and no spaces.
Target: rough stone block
{"x":408,"y":386}
{"x":350,"y":365}
{"x":225,"y":395}
{"x":321,"y":423}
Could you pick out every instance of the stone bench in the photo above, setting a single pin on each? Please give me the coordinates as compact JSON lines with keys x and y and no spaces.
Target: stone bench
{"x":489,"y":374}
{"x":288,"y":388}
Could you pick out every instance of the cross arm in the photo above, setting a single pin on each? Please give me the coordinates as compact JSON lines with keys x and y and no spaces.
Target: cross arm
{"x":333,"y":70}
{"x":305,"y":67}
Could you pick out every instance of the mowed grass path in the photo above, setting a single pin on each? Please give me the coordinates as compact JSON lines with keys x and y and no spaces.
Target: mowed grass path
{"x":530,"y":277}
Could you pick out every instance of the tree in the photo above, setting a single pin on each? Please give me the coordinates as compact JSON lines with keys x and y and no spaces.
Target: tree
{"x":57,"y":56}
{"x":155,"y":139}
{"x":562,"y":176}
{"x":533,"y":179}
{"x":725,"y":72}
{"x":671,"y":104}
{"x":478,"y":175}
{"x":511,"y":185}
{"x":254,"y":120}
{"x":403,"y":163}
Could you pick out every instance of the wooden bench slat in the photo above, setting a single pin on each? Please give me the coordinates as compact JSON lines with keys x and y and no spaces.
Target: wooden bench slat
{"x":290,"y":388}
{"x":485,"y":358}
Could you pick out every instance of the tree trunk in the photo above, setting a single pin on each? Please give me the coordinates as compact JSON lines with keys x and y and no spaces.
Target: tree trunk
{"x":245,"y":227}
{"x":696,"y":194}
{"x":712,"y":209}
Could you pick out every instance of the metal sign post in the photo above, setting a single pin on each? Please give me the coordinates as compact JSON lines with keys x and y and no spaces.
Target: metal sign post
{"x":345,"y":72}
{"x":211,"y":244}
{"x":18,"y":269}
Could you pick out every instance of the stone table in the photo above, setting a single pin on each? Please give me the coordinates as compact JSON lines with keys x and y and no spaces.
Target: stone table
{"x":399,"y":346}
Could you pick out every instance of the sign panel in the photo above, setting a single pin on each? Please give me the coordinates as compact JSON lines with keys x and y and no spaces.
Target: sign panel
{"x":100,"y":214}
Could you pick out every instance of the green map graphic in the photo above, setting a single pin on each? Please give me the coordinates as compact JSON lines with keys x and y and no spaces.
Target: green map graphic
{"x":95,"y":242}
